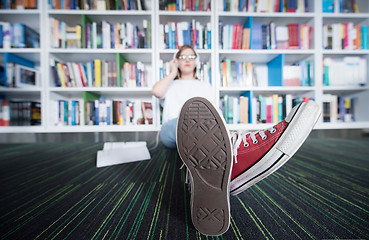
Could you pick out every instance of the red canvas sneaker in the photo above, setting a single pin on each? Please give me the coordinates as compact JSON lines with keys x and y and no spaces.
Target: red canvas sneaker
{"x":258,"y":154}
{"x":204,"y":145}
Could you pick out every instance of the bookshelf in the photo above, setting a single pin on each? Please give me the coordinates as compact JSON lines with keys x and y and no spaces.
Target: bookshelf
{"x":47,"y":93}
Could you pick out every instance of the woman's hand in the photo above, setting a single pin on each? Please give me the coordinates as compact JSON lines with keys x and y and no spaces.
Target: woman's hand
{"x":160,"y":88}
{"x":174,"y":66}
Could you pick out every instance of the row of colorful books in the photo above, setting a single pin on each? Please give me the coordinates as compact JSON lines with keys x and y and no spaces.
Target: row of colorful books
{"x":340,"y":6}
{"x":258,"y":109}
{"x":339,"y":108}
{"x":275,"y":73}
{"x":347,"y":36}
{"x":102,"y":34}
{"x":265,"y":36}
{"x":100,"y":5}
{"x":99,"y":73}
{"x":264,"y":5}
{"x":19,"y":5}
{"x":173,"y":35}
{"x":203,"y":71}
{"x":18,"y":35}
{"x":96,"y":110}
{"x":346,"y":71}
{"x":20,"y":113}
{"x":185,"y":5}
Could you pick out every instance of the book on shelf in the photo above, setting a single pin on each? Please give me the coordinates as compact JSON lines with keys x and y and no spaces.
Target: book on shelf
{"x":346,"y":71}
{"x":264,"y":6}
{"x":248,"y":108}
{"x":20,"y":113}
{"x":174,"y":35}
{"x":237,"y":73}
{"x":345,"y":36}
{"x":340,"y":6}
{"x":99,"y":73}
{"x":99,"y":5}
{"x":91,"y":34}
{"x":339,"y":108}
{"x":18,"y":5}
{"x":185,"y":5}
{"x":18,"y":35}
{"x":273,"y":73}
{"x":95,"y":110}
{"x":254,"y":35}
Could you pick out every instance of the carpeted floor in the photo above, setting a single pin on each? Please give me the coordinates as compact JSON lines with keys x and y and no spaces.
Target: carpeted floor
{"x":54,"y":191}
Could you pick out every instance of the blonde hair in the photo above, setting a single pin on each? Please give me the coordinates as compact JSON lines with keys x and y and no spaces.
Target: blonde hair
{"x":184,"y":47}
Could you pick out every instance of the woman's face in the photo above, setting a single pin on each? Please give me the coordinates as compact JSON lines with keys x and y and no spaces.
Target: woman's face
{"x":187,"y":61}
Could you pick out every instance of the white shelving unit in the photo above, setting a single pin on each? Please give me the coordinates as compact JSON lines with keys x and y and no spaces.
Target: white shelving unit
{"x":47,"y":92}
{"x":83,"y":55}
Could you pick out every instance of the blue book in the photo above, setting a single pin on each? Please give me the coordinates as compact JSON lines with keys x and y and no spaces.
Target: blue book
{"x":65,"y":117}
{"x":73,"y":113}
{"x":108,"y":111}
{"x":328,"y":6}
{"x":170,"y":36}
{"x":256,"y":36}
{"x":281,"y":3}
{"x":275,"y":71}
{"x":1,"y":36}
{"x":18,"y":35}
{"x":364,"y":34}
{"x":209,"y":38}
{"x":241,"y":5}
{"x":304,"y":73}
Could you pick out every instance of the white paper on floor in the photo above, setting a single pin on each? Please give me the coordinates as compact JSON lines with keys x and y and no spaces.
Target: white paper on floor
{"x":115,"y":153}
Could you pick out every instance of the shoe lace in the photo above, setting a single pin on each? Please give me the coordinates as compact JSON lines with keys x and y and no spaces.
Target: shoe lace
{"x":238,"y":136}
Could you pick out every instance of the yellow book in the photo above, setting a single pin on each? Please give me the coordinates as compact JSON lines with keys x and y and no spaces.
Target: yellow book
{"x":79,"y":35}
{"x":97,"y":82}
{"x":347,"y":102}
{"x":61,"y":74}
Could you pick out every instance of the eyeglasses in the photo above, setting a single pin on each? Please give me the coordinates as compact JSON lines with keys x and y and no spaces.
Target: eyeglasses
{"x":184,"y":57}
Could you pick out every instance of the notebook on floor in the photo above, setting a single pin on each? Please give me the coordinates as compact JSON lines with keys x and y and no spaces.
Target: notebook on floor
{"x":114,"y":153}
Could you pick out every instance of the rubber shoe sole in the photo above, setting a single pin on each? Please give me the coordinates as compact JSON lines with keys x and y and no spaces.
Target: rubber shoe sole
{"x":301,"y":122}
{"x":204,"y":146}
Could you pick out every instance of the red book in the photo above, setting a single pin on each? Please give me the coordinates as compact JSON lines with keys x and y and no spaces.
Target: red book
{"x":293,"y":36}
{"x":5,"y":120}
{"x":277,"y":6}
{"x":83,"y":75}
{"x":234,"y":37}
{"x":346,"y":37}
{"x":239,"y":40}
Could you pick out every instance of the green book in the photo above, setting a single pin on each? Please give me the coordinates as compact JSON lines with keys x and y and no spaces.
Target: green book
{"x":90,"y":113}
{"x":120,"y":61}
{"x":85,"y":21}
{"x":90,"y":96}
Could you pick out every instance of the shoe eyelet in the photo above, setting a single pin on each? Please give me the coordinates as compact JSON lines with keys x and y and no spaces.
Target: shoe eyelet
{"x":273,"y":130}
{"x":265,"y":137}
{"x":246,"y":144}
{"x":255,"y":142}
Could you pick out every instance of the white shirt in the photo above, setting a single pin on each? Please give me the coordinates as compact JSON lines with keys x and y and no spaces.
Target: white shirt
{"x":179,"y":91}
